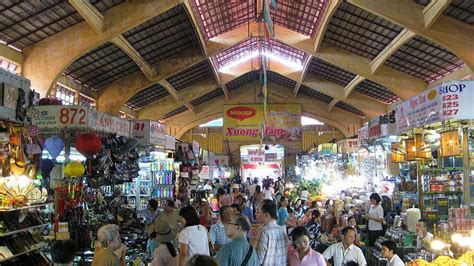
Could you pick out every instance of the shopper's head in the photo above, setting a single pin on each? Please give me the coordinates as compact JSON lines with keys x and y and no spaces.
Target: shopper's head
{"x":352,"y":221}
{"x":422,"y":227}
{"x":258,"y":189}
{"x":189,"y":216}
{"x":221,"y":191}
{"x":225,"y":213}
{"x":375,"y":198}
{"x":348,"y":235}
{"x":238,"y":226}
{"x":169,"y":206}
{"x":240,"y":200}
{"x":63,"y":252}
{"x":388,"y":249}
{"x":315,"y":214}
{"x":267,"y":211}
{"x":236,"y":208}
{"x":202,"y":260}
{"x":283,"y":202}
{"x":109,"y":236}
{"x":300,"y":237}
{"x":152,"y":205}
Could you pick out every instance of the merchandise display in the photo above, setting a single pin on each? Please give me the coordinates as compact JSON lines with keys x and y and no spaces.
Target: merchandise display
{"x":140,"y":133}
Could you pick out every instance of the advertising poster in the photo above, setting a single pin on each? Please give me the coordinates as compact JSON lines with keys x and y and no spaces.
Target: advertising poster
{"x":244,"y":122}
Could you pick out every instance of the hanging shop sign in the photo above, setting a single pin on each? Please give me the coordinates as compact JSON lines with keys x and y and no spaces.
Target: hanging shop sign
{"x":170,"y":143}
{"x":57,"y":117}
{"x":204,"y":174}
{"x":148,"y":132}
{"x":271,"y":157}
{"x":327,"y":148}
{"x":244,"y":122}
{"x":196,"y":147}
{"x":450,"y":100}
{"x":363,"y":133}
{"x":348,"y":146}
{"x":262,"y":166}
{"x":101,"y":122}
{"x":255,"y":156}
{"x":382,"y":126}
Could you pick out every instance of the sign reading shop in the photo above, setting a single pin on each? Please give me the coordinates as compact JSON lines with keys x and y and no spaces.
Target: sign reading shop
{"x":450,"y":100}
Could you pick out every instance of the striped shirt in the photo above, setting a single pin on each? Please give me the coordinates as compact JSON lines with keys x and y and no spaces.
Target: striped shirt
{"x":272,"y":244}
{"x":218,"y":235}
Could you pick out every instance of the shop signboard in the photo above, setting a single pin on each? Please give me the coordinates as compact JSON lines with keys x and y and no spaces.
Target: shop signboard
{"x":363,"y":133}
{"x":327,"y":148}
{"x":196,"y":148}
{"x":102,"y":122}
{"x":450,"y":100}
{"x":382,"y":126}
{"x":271,"y":157}
{"x":148,"y":132}
{"x":204,"y":174}
{"x":255,"y":156}
{"x":170,"y":143}
{"x":348,"y":146}
{"x":244,"y":122}
{"x":57,"y":117}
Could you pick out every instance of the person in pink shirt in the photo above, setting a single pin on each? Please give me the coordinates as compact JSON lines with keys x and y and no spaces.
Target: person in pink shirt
{"x":302,"y":254}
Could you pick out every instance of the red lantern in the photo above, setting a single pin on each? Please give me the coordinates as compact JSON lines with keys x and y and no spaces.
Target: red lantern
{"x":88,"y":144}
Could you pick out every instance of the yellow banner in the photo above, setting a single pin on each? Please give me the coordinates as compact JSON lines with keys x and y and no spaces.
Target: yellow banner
{"x":245,"y":122}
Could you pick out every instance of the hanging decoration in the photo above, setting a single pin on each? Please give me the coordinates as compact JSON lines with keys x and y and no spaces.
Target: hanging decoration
{"x":410,"y":149}
{"x":450,"y":143}
{"x":88,"y":144}
{"x":19,"y":190}
{"x":264,"y":49}
{"x":54,"y":145}
{"x":74,"y":169}
{"x":421,"y":152}
{"x":46,"y":167}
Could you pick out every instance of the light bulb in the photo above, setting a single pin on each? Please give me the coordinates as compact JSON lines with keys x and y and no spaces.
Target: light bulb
{"x":438,"y":245}
{"x":456,"y":238}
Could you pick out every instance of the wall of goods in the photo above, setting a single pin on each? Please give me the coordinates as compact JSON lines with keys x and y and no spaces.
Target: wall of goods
{"x":67,"y":170}
{"x":419,"y":157}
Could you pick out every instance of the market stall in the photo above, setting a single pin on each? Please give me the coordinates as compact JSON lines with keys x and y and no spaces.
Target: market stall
{"x":262,"y":161}
{"x":435,"y":145}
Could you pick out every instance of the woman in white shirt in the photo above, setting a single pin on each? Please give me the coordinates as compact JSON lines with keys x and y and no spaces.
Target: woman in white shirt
{"x":193,"y":239}
{"x":268,"y":192}
{"x":375,"y":218}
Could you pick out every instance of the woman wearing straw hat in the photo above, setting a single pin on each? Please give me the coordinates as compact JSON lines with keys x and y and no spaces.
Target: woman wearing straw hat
{"x":165,"y":253}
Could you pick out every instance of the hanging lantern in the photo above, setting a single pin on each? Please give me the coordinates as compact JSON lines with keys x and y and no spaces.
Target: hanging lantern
{"x":88,"y":144}
{"x":450,"y":143}
{"x":410,"y":149}
{"x":421,"y":151}
{"x":397,"y":155}
{"x":54,"y":145}
{"x":74,"y":169}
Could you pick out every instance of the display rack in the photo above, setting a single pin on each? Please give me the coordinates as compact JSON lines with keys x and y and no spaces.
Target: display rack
{"x":442,"y":190}
{"x":18,"y":233}
{"x":156,"y":180}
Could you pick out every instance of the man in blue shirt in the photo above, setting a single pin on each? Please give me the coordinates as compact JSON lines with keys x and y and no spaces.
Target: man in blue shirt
{"x":235,"y":252}
{"x":217,"y":232}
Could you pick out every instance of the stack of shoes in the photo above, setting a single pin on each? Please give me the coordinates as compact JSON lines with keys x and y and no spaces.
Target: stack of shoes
{"x":21,"y":242}
{"x":9,"y":221}
{"x":37,"y":259}
{"x":98,"y":167}
{"x":125,"y":159}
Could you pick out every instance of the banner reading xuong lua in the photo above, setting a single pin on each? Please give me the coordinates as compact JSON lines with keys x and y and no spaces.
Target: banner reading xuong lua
{"x":243,"y":122}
